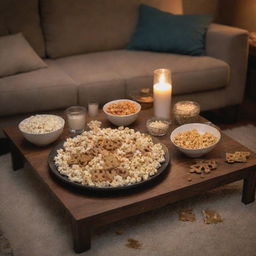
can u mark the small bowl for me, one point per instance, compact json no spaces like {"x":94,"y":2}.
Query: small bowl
{"x":43,"y":139}
{"x":123,"y":120}
{"x":201,"y":128}
{"x":157,"y":131}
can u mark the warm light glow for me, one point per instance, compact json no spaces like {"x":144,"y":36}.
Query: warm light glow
{"x":162,"y":78}
{"x":162,"y":86}
{"x":162,"y":93}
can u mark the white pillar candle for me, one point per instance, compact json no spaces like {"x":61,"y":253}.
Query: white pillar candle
{"x":162,"y":93}
{"x":93,"y":109}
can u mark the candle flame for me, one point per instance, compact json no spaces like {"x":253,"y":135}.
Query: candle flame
{"x":162,"y":78}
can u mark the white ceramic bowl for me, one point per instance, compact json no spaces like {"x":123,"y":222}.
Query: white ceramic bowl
{"x":43,"y":139}
{"x":201,"y":128}
{"x":124,"y":120}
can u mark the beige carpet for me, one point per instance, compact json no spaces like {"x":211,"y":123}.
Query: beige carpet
{"x":35,"y":225}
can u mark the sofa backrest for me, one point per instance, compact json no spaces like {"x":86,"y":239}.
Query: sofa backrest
{"x":22,"y":16}
{"x":81,"y":26}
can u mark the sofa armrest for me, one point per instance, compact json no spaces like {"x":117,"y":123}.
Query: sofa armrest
{"x":230,"y":45}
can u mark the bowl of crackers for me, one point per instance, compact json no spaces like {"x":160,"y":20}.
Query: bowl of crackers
{"x":122,"y":112}
{"x":195,"y":139}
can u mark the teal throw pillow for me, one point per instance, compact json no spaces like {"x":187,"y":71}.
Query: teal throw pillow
{"x":165,"y":32}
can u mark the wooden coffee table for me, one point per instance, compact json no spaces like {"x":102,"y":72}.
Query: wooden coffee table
{"x":88,"y":211}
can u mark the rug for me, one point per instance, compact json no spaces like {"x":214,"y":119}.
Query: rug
{"x":35,"y":225}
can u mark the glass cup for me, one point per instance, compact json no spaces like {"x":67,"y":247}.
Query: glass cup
{"x":76,"y":116}
{"x":93,"y":108}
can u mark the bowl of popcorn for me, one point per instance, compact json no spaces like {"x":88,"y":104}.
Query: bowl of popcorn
{"x":157,"y":126}
{"x":195,"y":139}
{"x":122,"y":112}
{"x":42,"y":130}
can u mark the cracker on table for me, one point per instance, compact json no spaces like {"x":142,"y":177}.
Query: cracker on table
{"x":199,"y":168}
{"x":210,"y":163}
{"x":237,"y":157}
{"x":203,"y":166}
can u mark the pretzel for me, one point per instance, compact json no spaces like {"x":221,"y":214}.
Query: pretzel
{"x":80,"y":159}
{"x":99,"y":176}
{"x":110,"y":160}
{"x":237,"y":157}
{"x":203,"y":166}
{"x":108,"y":144}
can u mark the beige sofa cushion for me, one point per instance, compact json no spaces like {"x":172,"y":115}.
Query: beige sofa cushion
{"x":96,"y":75}
{"x":22,"y":16}
{"x":80,"y":26}
{"x":189,"y":73}
{"x":135,"y":69}
{"x":17,"y":56}
{"x":44,"y":89}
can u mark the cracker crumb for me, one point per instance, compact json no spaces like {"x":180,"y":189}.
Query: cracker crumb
{"x":187,"y":215}
{"x":133,"y":244}
{"x":119,"y":232}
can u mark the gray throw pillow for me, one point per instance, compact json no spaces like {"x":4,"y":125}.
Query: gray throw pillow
{"x":17,"y":56}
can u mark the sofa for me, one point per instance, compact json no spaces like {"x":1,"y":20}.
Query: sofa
{"x":84,"y":45}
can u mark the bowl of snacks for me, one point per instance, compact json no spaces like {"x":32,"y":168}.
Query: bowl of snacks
{"x":157,"y":126}
{"x":195,"y":139}
{"x":42,"y":130}
{"x":122,"y":112}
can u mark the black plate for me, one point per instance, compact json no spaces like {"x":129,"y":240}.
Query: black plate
{"x":80,"y":187}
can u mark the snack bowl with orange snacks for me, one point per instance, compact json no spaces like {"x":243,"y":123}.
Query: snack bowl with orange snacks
{"x":122,"y":112}
{"x":195,"y":139}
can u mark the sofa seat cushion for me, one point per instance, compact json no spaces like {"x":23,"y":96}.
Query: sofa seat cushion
{"x":45,"y":89}
{"x":135,"y":69}
{"x":96,"y":74}
{"x":189,"y":73}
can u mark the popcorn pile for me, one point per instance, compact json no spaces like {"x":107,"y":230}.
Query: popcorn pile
{"x":39,"y":124}
{"x":109,"y":157}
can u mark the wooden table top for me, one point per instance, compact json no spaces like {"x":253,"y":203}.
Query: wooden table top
{"x":82,"y":206}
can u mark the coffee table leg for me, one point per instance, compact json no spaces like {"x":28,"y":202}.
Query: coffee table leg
{"x":81,"y":236}
{"x":17,"y":158}
{"x":249,"y":188}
